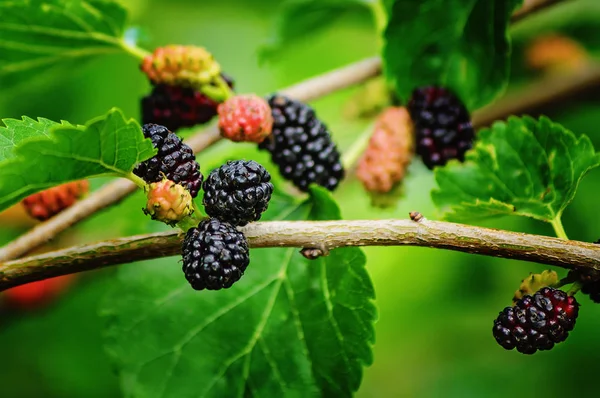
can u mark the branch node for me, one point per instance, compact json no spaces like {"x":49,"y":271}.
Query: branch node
{"x":312,"y":253}
{"x":416,"y":216}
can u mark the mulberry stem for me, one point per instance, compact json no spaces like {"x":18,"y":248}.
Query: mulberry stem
{"x":532,"y":6}
{"x":559,"y":230}
{"x":574,"y":288}
{"x":192,"y":220}
{"x":355,"y":151}
{"x":138,"y":181}
{"x":134,"y":50}
{"x":188,"y":222}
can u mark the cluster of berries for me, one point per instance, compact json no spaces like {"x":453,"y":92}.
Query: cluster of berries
{"x":173,"y":176}
{"x":299,"y":143}
{"x":215,"y":254}
{"x":435,"y":124}
{"x":189,"y":88}
{"x":188,"y":85}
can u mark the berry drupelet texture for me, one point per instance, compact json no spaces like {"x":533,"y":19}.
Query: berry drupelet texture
{"x":301,"y":146}
{"x":176,"y":107}
{"x":50,"y":202}
{"x":536,"y":322}
{"x":175,"y":160}
{"x":389,"y":153}
{"x":179,"y":65}
{"x":443,"y":128}
{"x":237,"y":192}
{"x":245,"y":118}
{"x":168,"y":202}
{"x":215,"y":255}
{"x":535,"y":282}
{"x":179,"y":106}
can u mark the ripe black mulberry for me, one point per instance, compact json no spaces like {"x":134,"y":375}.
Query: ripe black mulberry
{"x":238,"y":192}
{"x":301,"y":145}
{"x":215,"y":255}
{"x":443,"y":128}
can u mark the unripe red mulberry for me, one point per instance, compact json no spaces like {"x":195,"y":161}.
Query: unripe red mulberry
{"x":389,"y":153}
{"x":245,"y":118}
{"x":187,"y":66}
{"x":168,"y":202}
{"x":556,"y":53}
{"x":47,"y":203}
{"x":180,"y":66}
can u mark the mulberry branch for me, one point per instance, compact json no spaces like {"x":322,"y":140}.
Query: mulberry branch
{"x":319,"y":235}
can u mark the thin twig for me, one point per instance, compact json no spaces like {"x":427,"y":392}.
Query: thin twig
{"x":308,"y":90}
{"x":116,"y":191}
{"x":108,"y":195}
{"x":549,"y":90}
{"x":323,"y":235}
{"x":532,"y":6}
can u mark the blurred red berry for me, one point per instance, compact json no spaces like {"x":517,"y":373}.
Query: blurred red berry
{"x":47,"y":203}
{"x":38,"y":294}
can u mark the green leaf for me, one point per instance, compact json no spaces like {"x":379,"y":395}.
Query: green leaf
{"x":17,"y":131}
{"x":297,"y":18}
{"x":38,"y":34}
{"x":461,"y":44}
{"x":523,"y":167}
{"x":106,"y":145}
{"x":289,"y":327}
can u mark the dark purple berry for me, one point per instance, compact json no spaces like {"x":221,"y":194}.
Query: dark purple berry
{"x":443,"y":127}
{"x":536,"y":322}
{"x":174,"y":160}
{"x":237,"y":192}
{"x":176,"y":106}
{"x":215,"y":255}
{"x":301,"y":145}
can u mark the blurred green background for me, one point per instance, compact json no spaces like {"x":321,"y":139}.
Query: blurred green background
{"x":435,"y":307}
